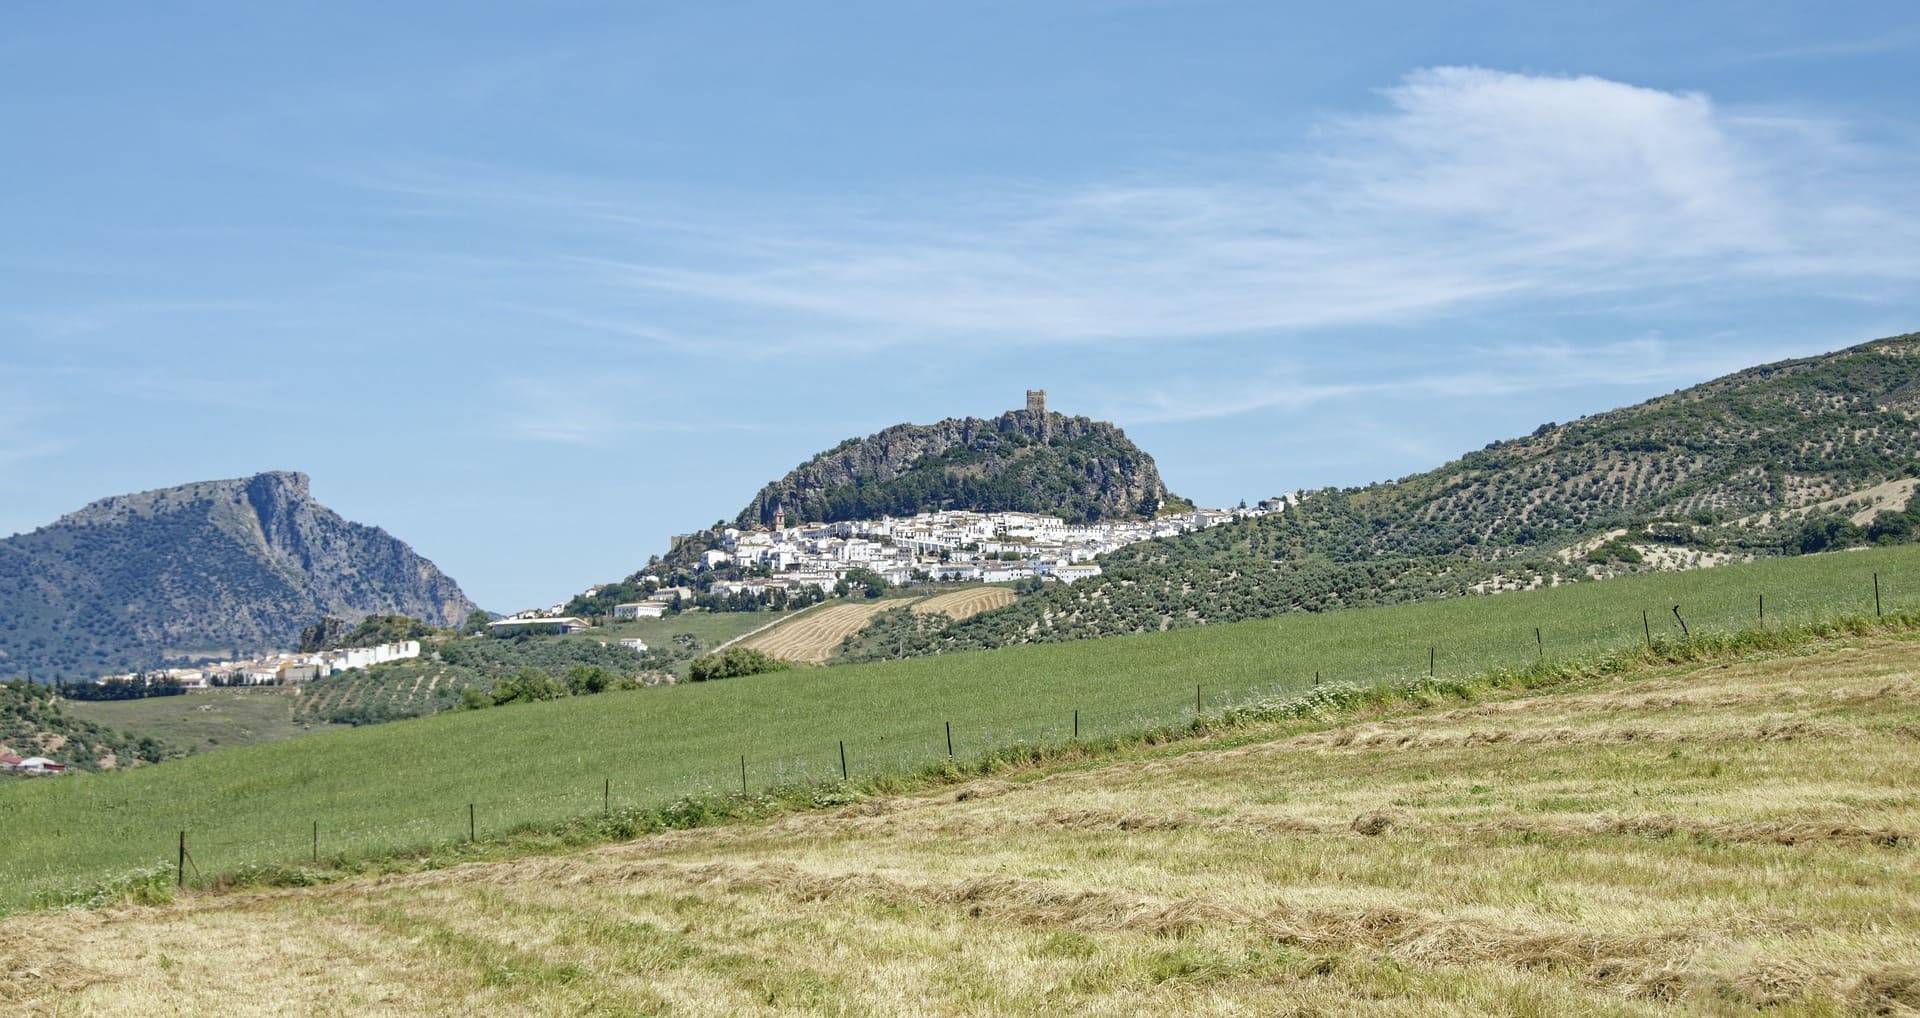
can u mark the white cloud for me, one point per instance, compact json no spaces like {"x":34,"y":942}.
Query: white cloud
{"x":1471,"y":188}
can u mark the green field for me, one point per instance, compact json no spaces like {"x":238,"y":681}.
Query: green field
{"x":382,"y":786}
{"x":709,"y":629}
{"x":1728,"y":836}
{"x":216,"y":719}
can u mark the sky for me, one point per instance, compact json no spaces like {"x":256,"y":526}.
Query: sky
{"x":536,"y":286}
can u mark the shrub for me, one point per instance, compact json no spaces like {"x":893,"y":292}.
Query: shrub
{"x":733,"y":662}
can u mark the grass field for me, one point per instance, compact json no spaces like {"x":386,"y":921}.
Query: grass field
{"x":815,"y":635}
{"x":215,"y":719}
{"x":708,"y":629}
{"x":965,"y":604}
{"x":1731,"y":838}
{"x":410,"y":782}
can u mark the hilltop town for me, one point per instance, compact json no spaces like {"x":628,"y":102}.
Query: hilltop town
{"x":788,"y":563}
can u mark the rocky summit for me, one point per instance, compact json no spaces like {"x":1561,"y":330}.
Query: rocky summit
{"x":1029,"y":460}
{"x":211,"y":568}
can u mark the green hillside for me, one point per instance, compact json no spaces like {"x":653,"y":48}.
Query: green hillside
{"x":34,"y":721}
{"x":1775,"y":460}
{"x":385,"y":786}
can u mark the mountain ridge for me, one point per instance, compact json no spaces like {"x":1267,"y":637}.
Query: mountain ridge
{"x":235,"y":565}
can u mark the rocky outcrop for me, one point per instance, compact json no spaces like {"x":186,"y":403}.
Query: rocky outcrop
{"x":212,"y":568}
{"x":1020,"y":461}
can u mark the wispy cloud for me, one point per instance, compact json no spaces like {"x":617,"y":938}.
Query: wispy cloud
{"x":1474,"y":372}
{"x":1466,"y":189}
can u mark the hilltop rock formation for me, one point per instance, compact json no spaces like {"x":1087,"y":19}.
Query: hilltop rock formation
{"x":1021,"y":461}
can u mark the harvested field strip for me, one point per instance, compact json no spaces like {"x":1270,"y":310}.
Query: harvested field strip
{"x":815,"y":635}
{"x":1733,"y":874}
{"x":965,"y":604}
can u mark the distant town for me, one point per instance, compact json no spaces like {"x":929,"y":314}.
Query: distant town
{"x":810,"y":559}
{"x":278,"y":669}
{"x":953,"y":546}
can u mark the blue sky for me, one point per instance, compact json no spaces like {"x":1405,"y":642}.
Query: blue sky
{"x":534,"y":286}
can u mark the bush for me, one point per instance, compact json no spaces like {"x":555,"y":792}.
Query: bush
{"x":733,"y":662}
{"x":528,"y":686}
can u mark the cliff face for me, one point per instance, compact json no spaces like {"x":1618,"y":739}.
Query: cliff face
{"x":1020,"y":461}
{"x":210,"y":568}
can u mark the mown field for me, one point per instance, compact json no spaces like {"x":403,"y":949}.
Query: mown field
{"x":1731,"y":838}
{"x":411,"y":782}
{"x":813,"y":636}
{"x":964,"y":604}
{"x":201,"y":721}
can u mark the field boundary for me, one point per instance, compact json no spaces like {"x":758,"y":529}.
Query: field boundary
{"x":1323,"y":707}
{"x":770,"y":625}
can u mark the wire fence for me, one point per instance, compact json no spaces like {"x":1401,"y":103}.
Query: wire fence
{"x":202,"y":850}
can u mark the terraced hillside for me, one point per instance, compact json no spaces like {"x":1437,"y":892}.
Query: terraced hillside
{"x":1732,"y":838}
{"x":1803,"y":455}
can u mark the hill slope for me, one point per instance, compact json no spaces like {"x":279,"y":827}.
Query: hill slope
{"x":217,"y":566}
{"x":385,"y":788}
{"x":1023,"y":460}
{"x":1720,"y":839}
{"x":1778,"y":459}
{"x":35,"y":722}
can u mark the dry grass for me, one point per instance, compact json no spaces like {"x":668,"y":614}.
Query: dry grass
{"x":965,"y":604}
{"x":1723,"y":840}
{"x":815,"y":635}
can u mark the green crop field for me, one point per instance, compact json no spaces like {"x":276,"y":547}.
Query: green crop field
{"x":411,"y":782}
{"x":220,"y":718}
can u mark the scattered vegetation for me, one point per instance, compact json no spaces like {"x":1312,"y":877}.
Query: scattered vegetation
{"x":471,"y":672}
{"x":33,"y":722}
{"x":332,"y":633}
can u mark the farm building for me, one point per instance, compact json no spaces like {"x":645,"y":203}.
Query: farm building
{"x":508,"y":627}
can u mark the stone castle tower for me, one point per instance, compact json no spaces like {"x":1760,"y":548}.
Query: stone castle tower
{"x":1037,"y":406}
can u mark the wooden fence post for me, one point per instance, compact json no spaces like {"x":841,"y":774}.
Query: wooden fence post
{"x":949,"y":740}
{"x":180,"y":870}
{"x":843,"y":759}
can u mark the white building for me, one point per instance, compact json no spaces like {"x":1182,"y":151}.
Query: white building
{"x":1068,"y":574}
